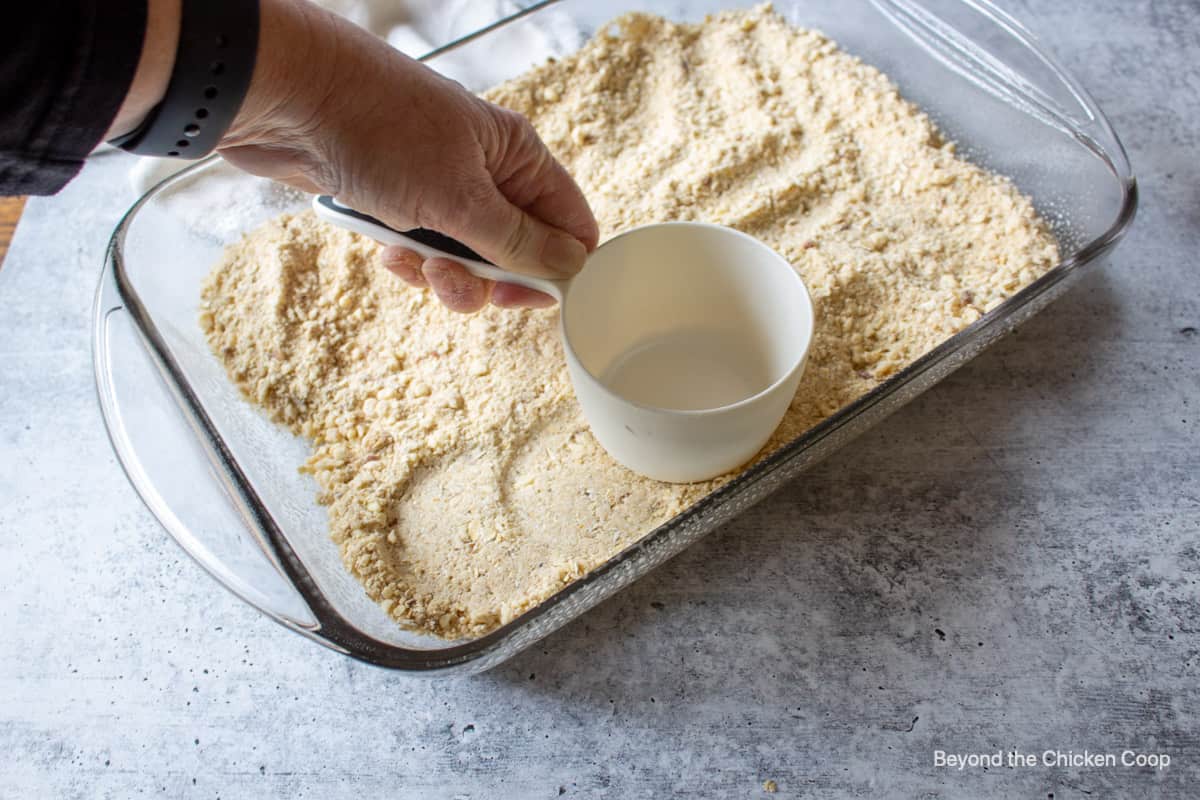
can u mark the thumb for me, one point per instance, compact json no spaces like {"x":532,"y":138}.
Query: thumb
{"x":514,"y":239}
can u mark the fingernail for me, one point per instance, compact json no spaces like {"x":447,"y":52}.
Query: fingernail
{"x":564,"y":254}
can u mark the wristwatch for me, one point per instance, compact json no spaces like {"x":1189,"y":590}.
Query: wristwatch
{"x":218,"y":45}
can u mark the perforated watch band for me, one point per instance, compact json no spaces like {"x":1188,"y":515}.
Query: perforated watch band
{"x":218,"y":45}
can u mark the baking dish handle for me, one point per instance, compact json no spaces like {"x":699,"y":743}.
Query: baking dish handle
{"x":151,"y":436}
{"x":182,"y":469}
{"x":1013,"y":67}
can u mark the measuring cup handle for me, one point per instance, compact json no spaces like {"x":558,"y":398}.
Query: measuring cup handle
{"x":429,"y":244}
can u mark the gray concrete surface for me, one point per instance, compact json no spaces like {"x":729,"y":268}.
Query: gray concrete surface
{"x":1009,"y":563}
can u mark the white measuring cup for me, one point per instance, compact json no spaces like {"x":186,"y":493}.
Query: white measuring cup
{"x":685,"y":341}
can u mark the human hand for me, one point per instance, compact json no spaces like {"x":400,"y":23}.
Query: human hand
{"x":335,"y":110}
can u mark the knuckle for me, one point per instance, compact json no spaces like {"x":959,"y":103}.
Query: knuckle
{"x":519,"y":238}
{"x":521,"y":124}
{"x":513,"y":122}
{"x":477,"y":193}
{"x":423,"y":215}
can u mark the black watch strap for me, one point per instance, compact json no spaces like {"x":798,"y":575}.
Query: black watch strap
{"x":218,"y":45}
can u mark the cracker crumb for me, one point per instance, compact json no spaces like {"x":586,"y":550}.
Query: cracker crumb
{"x":770,"y":787}
{"x":463,"y":484}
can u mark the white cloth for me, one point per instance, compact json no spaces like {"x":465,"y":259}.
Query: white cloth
{"x":414,"y":27}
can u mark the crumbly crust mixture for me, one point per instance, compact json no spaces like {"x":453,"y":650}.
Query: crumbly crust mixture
{"x":462,"y":482}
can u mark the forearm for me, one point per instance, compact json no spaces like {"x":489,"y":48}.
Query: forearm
{"x":154,"y":66}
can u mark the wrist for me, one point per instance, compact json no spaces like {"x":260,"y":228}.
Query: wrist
{"x":216,"y":46}
{"x":290,"y":83}
{"x":153,"y":73}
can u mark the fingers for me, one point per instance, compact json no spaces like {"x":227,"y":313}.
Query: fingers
{"x":535,"y":181}
{"x":509,"y":295}
{"x":508,"y":236}
{"x":404,"y":264}
{"x":560,"y":202}
{"x":526,"y":214}
{"x":456,"y":288}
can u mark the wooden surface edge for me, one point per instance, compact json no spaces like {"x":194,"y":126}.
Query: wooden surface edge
{"x":10,"y":212}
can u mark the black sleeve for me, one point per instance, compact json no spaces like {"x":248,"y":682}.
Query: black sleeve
{"x":65,"y":67}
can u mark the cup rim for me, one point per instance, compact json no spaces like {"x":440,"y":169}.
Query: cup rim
{"x":698,"y":412}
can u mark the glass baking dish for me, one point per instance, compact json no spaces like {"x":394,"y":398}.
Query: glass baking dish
{"x":223,"y":480}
